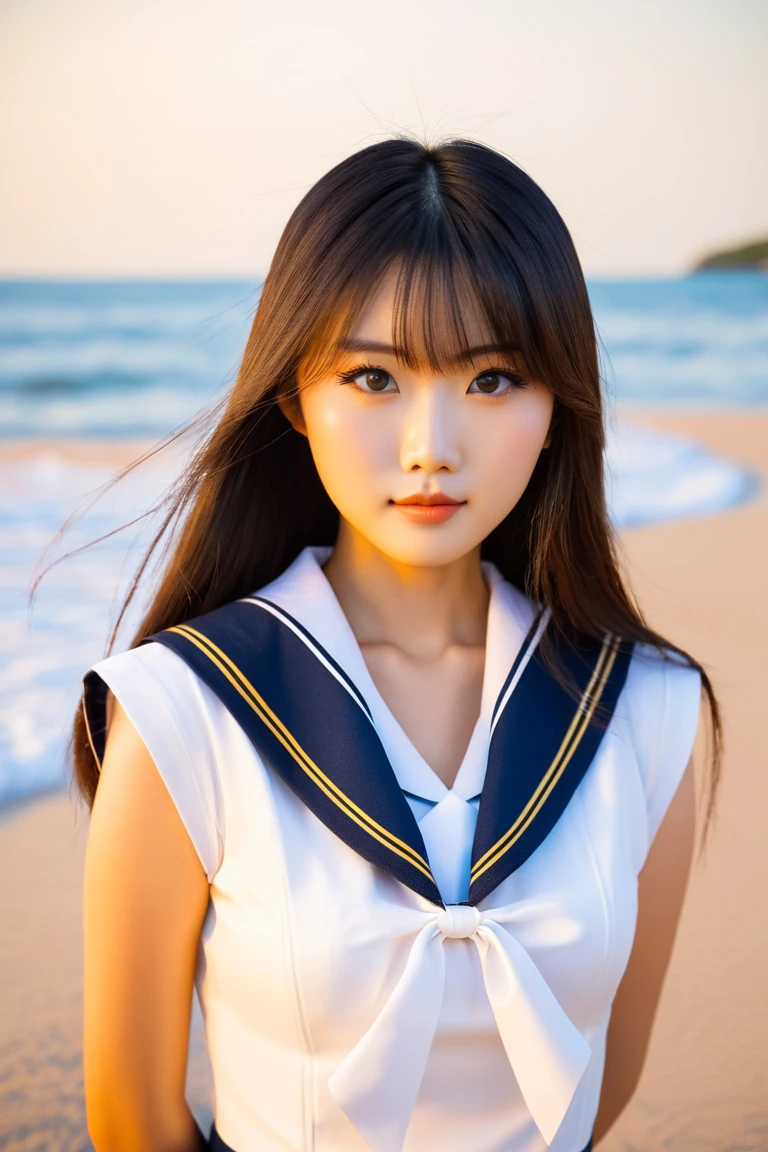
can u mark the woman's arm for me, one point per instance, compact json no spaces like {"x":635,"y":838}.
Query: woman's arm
{"x":662,"y":885}
{"x":145,"y":897}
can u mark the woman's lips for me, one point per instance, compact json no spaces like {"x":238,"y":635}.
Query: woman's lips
{"x":433,"y":509}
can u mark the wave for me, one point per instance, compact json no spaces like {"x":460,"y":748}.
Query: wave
{"x":696,"y":341}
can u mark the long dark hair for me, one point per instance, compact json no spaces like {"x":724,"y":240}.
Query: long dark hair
{"x":460,"y":223}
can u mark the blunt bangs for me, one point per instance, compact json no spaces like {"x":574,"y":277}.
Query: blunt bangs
{"x":481,"y":256}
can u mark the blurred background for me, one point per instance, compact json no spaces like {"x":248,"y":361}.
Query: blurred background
{"x":151,"y":154}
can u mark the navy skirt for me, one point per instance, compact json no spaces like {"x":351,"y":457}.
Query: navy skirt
{"x":216,"y":1144}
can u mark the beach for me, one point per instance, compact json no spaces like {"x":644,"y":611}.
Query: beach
{"x":701,"y":582}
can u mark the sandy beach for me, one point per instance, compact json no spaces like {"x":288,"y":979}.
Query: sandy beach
{"x":701,"y":582}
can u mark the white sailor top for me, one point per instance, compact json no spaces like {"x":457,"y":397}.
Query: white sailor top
{"x":387,"y":963}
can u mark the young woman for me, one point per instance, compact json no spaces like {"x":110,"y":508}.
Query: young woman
{"x":394,"y":772}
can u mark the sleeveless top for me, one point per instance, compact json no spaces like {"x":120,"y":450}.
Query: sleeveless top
{"x":343,"y":1009}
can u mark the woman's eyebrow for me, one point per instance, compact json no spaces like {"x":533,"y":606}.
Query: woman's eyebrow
{"x":351,"y":344}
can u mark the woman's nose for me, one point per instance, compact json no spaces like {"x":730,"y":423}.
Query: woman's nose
{"x":429,"y":433}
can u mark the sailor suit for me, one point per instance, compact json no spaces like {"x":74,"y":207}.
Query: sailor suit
{"x":387,"y":963}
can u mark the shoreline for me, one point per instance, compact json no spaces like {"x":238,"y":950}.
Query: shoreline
{"x":701,"y":581}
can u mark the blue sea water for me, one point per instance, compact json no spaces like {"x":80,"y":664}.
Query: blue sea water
{"x":111,"y":360}
{"x":139,"y":358}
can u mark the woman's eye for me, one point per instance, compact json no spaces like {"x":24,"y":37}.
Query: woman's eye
{"x":495,"y":383}
{"x":374,"y":380}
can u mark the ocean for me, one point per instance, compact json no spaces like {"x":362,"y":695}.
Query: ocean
{"x":113,"y":360}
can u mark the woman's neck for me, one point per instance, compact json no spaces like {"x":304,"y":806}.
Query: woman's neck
{"x":421,"y":610}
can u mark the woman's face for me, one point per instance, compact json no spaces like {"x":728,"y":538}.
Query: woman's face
{"x":422,"y":465}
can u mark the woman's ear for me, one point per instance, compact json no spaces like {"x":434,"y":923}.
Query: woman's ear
{"x":290,"y":406}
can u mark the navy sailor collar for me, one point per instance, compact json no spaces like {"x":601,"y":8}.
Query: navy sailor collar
{"x":307,"y":717}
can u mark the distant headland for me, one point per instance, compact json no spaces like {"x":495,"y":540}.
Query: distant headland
{"x":747,"y":257}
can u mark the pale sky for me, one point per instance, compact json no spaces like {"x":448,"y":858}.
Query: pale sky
{"x":174,"y":137}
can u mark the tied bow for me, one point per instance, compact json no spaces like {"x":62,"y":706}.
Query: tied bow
{"x":377,"y":1083}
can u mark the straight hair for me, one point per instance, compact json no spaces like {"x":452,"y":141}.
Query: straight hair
{"x":470,"y":235}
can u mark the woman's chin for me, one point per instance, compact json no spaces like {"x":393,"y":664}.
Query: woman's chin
{"x":425,"y":546}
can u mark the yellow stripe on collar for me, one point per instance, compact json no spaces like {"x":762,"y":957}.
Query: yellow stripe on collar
{"x":242,"y":685}
{"x":584,"y":712}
